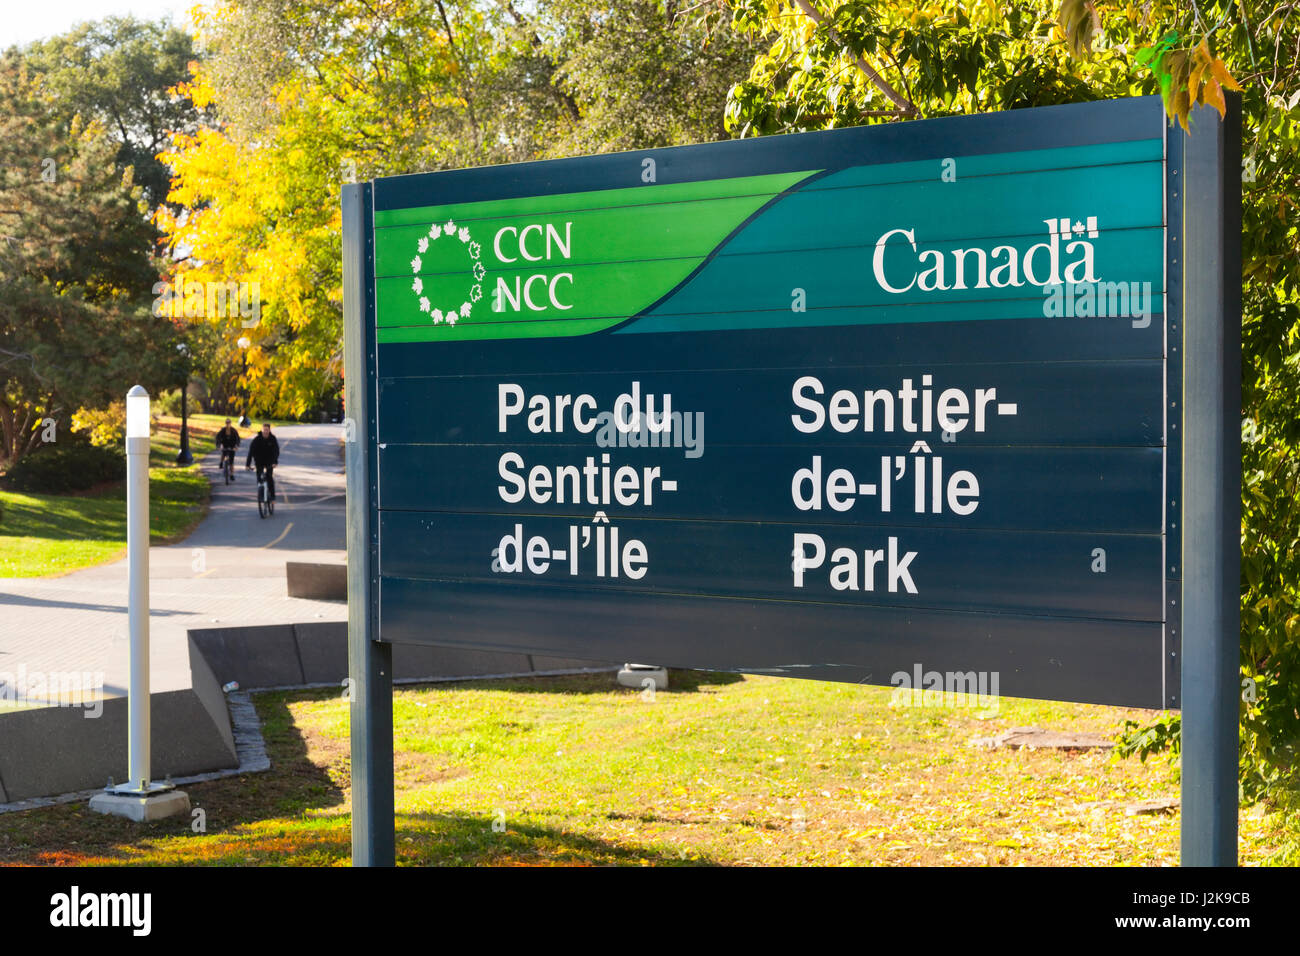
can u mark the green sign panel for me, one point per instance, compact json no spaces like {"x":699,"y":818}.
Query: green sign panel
{"x":865,"y":244}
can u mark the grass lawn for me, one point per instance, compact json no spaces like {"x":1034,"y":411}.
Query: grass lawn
{"x":211,"y":423}
{"x":719,"y":770}
{"x":53,"y":534}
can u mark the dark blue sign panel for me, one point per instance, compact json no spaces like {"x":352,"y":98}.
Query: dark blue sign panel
{"x":836,"y":405}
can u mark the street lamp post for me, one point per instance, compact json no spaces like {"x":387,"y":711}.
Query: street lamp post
{"x":139,"y":798}
{"x":243,"y":343}
{"x":183,"y":457}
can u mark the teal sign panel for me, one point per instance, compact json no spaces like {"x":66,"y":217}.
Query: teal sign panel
{"x":852,"y":405}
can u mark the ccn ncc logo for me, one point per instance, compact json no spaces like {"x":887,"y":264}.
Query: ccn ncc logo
{"x":452,"y":296}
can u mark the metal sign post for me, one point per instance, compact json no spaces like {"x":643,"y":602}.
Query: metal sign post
{"x":370,"y":668}
{"x":1211,"y":423}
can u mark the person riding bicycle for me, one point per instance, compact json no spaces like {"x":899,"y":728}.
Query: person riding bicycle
{"x":264,"y":449}
{"x":227,"y":440}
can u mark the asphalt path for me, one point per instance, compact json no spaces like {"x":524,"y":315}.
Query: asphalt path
{"x":229,"y":572}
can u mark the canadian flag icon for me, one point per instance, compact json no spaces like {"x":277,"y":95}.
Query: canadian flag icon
{"x":1064,"y":229}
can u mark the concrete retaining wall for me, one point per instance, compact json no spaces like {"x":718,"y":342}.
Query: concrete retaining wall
{"x":50,"y":750}
{"x":319,"y":582}
{"x":53,"y":750}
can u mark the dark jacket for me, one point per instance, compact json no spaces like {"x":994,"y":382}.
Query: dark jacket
{"x":265,"y":451}
{"x":228,"y":438}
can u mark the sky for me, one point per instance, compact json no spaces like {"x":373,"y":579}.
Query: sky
{"x":25,"y":20}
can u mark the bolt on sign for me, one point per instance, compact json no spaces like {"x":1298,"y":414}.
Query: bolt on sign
{"x":831,"y":405}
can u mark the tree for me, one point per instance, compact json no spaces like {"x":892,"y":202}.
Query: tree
{"x":74,"y":270}
{"x":121,"y":73}
{"x":631,"y":75}
{"x":835,"y":64}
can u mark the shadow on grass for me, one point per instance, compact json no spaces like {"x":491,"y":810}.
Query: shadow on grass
{"x":679,"y":682}
{"x":685,"y":682}
{"x":457,"y":839}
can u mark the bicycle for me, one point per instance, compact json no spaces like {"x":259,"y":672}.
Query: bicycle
{"x":265,"y":503}
{"x":228,"y":465}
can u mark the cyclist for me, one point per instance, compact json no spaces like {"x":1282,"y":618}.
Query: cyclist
{"x":264,"y":449}
{"x":227,"y":441}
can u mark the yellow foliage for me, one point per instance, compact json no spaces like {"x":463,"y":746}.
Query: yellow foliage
{"x":103,"y":427}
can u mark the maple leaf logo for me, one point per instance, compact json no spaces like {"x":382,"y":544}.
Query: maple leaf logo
{"x":444,"y":283}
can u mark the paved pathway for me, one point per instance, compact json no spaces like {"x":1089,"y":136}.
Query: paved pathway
{"x":229,"y":572}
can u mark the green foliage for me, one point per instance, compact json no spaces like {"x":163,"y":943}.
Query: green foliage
{"x":118,"y":72}
{"x":169,"y":403}
{"x":968,"y":57}
{"x":75,"y":466}
{"x":972,"y":57}
{"x":1163,"y":735}
{"x":75,"y":269}
{"x":631,"y":75}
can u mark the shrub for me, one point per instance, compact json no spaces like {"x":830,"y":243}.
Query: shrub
{"x":169,"y":402}
{"x":74,"y":466}
{"x":103,"y":427}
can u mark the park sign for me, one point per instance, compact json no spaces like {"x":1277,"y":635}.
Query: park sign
{"x":896,"y":400}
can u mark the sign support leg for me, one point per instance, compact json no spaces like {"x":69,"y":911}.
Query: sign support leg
{"x":373,"y":820}
{"x":1211,"y":486}
{"x":370,"y":670}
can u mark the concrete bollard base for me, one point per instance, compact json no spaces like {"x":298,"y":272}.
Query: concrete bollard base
{"x":155,"y":806}
{"x":635,"y":675}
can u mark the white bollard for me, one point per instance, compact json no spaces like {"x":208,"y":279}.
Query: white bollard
{"x":139,"y":798}
{"x":137,"y":557}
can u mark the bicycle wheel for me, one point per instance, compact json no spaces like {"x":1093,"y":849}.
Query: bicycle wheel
{"x":270,"y":506}
{"x":261,"y":501}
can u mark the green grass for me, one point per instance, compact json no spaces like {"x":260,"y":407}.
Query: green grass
{"x":719,"y":770}
{"x":54,"y":534}
{"x":215,"y":422}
